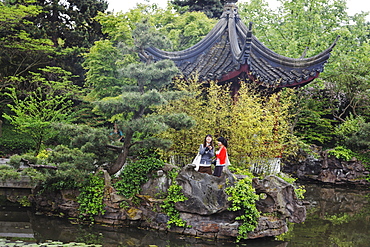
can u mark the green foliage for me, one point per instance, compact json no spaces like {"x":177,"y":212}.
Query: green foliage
{"x":343,"y":88}
{"x":133,"y":109}
{"x":16,"y":160}
{"x":339,"y":219}
{"x":136,"y":174}
{"x":354,"y":134}
{"x":256,"y":127}
{"x":80,"y":160}
{"x":296,"y":24}
{"x":20,"y":51}
{"x":90,"y":141}
{"x":298,"y":189}
{"x":12,"y":142}
{"x":69,"y":28}
{"x":48,"y":103}
{"x":243,"y":198}
{"x":91,"y":197}
{"x":85,"y":114}
{"x":8,"y":172}
{"x":174,"y":195}
{"x":343,"y":153}
{"x":212,"y":8}
{"x":73,"y":167}
{"x":349,"y":76}
{"x":351,"y":125}
{"x":24,"y":201}
{"x":35,"y":175}
{"x":314,"y":122}
{"x":185,"y":30}
{"x":66,"y":177}
{"x":103,"y":69}
{"x":71,"y":24}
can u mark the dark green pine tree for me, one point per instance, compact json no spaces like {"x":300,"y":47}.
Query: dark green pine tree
{"x":134,"y":107}
{"x":212,"y":8}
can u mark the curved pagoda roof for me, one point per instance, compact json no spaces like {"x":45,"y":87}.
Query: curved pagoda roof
{"x":231,"y":49}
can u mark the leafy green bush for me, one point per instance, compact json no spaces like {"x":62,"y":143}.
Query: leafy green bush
{"x":174,"y":195}
{"x":354,"y":134}
{"x":342,"y":153}
{"x":13,"y":142}
{"x":315,"y":122}
{"x":91,"y":197}
{"x":15,"y":160}
{"x":7,"y":172}
{"x":65,"y":155}
{"x":72,"y":170}
{"x":35,"y":175}
{"x":136,"y":174}
{"x":66,"y":177}
{"x":243,"y":198}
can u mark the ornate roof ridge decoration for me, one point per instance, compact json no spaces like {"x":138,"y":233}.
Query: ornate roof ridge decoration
{"x":231,"y":49}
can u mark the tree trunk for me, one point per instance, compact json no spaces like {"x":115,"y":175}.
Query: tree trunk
{"x":114,"y":168}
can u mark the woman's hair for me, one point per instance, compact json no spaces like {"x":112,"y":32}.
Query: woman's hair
{"x":205,"y":140}
{"x":222,"y":140}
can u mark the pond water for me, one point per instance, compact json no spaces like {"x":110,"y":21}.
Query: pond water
{"x":335,"y":217}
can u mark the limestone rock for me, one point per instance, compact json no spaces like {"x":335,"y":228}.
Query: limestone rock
{"x":206,"y":193}
{"x":279,"y":197}
{"x":206,"y":209}
{"x":326,"y":169}
{"x":159,"y":184}
{"x":134,"y":213}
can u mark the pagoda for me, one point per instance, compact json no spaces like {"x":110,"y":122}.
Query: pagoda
{"x":231,"y":53}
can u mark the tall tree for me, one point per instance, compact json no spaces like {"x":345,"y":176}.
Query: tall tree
{"x":70,"y":25}
{"x":305,"y":28}
{"x":19,"y":52}
{"x":133,"y":108}
{"x":67,"y":23}
{"x":48,"y":103}
{"x":104,"y":58}
{"x":212,"y":8}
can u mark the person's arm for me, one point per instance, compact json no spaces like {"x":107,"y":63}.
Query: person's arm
{"x":222,"y":156}
{"x":202,"y":149}
{"x":212,"y":152}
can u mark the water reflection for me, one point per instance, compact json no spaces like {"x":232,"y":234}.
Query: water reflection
{"x":41,"y":228}
{"x":57,"y":229}
{"x":336,"y":217}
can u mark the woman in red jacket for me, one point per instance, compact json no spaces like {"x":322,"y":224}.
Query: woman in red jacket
{"x":221,"y":156}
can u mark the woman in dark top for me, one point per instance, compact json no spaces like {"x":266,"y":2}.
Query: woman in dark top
{"x":206,"y":151}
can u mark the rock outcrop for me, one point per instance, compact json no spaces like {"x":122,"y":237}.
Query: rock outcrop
{"x":206,"y":209}
{"x":324,"y":168}
{"x":279,"y":198}
{"x":206,"y":194}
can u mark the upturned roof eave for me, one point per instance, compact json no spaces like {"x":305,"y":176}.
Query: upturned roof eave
{"x":247,"y":54}
{"x":291,"y":62}
{"x":193,"y":51}
{"x":245,"y":69}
